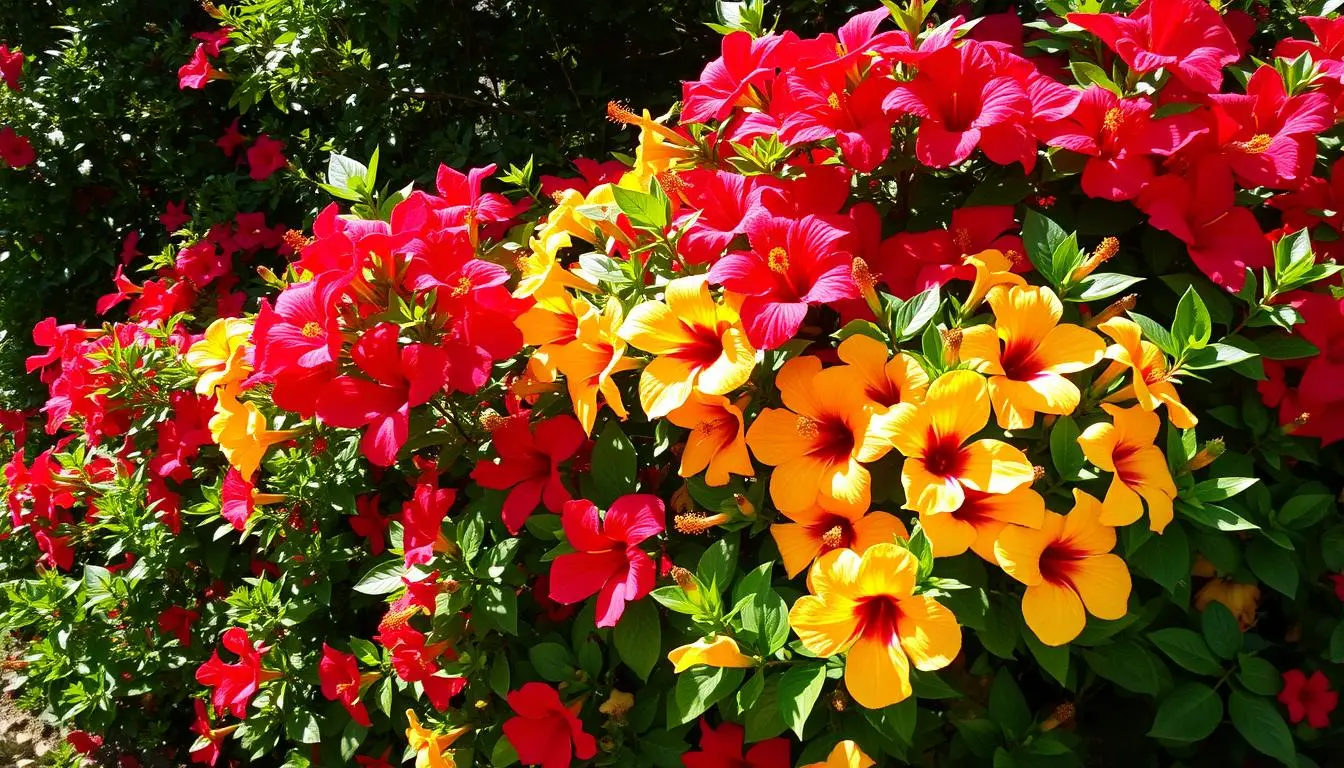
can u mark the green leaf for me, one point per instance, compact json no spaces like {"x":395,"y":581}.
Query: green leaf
{"x":1164,"y":559}
{"x":1127,"y":665}
{"x":342,"y":171}
{"x":1273,"y":566}
{"x":553,"y":661}
{"x":1332,"y":548}
{"x":499,"y":675}
{"x":351,"y":737}
{"x":1065,"y":452}
{"x":639,"y":637}
{"x":645,"y":210}
{"x":382,"y":578}
{"x":503,"y":754}
{"x":1216,"y":356}
{"x":1192,"y":327}
{"x":718,"y":563}
{"x":1042,"y":238}
{"x":1087,"y":73}
{"x":764,"y":721}
{"x":1008,"y":706}
{"x":929,"y":685}
{"x":698,"y":689}
{"x":302,"y":726}
{"x":896,"y":721}
{"x":1154,"y":332}
{"x":920,"y":546}
{"x":1222,"y":488}
{"x":613,"y":465}
{"x":1335,"y":652}
{"x":1189,"y":713}
{"x":498,"y":607}
{"x":1258,"y":675}
{"x":1215,"y":517}
{"x":1259,"y":722}
{"x":799,"y":688}
{"x":1283,"y":346}
{"x":1187,"y":649}
{"x":1054,"y":659}
{"x":913,"y":315}
{"x":1221,"y":631}
{"x":1102,"y":285}
{"x":766,"y":615}
{"x":1305,"y":510}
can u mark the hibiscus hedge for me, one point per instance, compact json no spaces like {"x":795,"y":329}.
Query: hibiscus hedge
{"x":947,"y":388}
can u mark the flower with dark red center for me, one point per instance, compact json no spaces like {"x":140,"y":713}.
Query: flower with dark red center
{"x":1308,"y":698}
{"x":370,"y":523}
{"x":232,"y":140}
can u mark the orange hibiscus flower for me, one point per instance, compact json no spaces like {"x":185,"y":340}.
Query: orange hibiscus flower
{"x":1126,"y":448}
{"x":814,"y":532}
{"x":976,"y":524}
{"x":717,"y":444}
{"x":1152,"y":384}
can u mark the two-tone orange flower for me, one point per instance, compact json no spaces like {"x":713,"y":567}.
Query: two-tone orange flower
{"x":717,"y":443}
{"x":699,"y":346}
{"x":886,"y":379}
{"x":977,"y":523}
{"x":431,"y":747}
{"x":942,"y":462}
{"x":814,"y":532}
{"x":660,"y":147}
{"x":1152,"y":384}
{"x":541,"y":268}
{"x":1125,"y":447}
{"x":820,"y":440}
{"x":548,"y":325}
{"x":1026,"y":373}
{"x":588,"y":363}
{"x":865,"y":606}
{"x":240,"y":430}
{"x":846,"y":754}
{"x":220,"y":356}
{"x":992,"y":268}
{"x":717,"y":651}
{"x":1068,"y":570}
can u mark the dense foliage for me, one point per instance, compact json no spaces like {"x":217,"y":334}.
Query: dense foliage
{"x":945,"y":388}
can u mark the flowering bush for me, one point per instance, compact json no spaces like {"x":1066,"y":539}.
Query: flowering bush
{"x":932,"y":390}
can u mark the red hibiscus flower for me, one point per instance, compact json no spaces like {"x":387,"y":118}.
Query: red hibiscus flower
{"x":1186,"y":37}
{"x":370,"y":523}
{"x":339,"y":675}
{"x":15,"y":150}
{"x":422,"y":520}
{"x":176,"y":620}
{"x":210,"y":741}
{"x":910,"y":262}
{"x":174,"y":216}
{"x":815,"y":109}
{"x":591,"y":174}
{"x":747,"y":64}
{"x":232,"y":139}
{"x":792,"y":265}
{"x":414,"y":662}
{"x":1200,"y":208}
{"x":56,"y":550}
{"x":529,"y":464}
{"x":965,"y":102}
{"x":265,"y":157}
{"x":298,"y":341}
{"x":236,"y":683}
{"x":11,"y":67}
{"x":84,"y":743}
{"x":213,"y":42}
{"x":1268,"y":137}
{"x":1308,"y":698}
{"x":722,"y":748}
{"x":198,"y":71}
{"x":399,"y":379}
{"x":720,"y":202}
{"x":545,"y":732}
{"x":238,"y":499}
{"x":608,"y":562}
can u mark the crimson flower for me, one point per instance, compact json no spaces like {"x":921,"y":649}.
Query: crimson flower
{"x":722,"y":748}
{"x":1186,"y":37}
{"x":965,"y":101}
{"x":84,"y":743}
{"x":339,"y":675}
{"x":207,"y":748}
{"x":910,"y":262}
{"x":529,"y":465}
{"x":720,"y":202}
{"x":236,"y":683}
{"x":422,"y":519}
{"x":213,"y":42}
{"x":608,"y":562}
{"x":298,"y":340}
{"x":591,"y":174}
{"x":11,"y":67}
{"x":792,"y":264}
{"x":176,"y":620}
{"x":1308,"y":698}
{"x":545,"y":732}
{"x":1337,"y":580}
{"x":174,"y":216}
{"x":15,"y":150}
{"x":1267,"y":136}
{"x":56,"y":550}
{"x":265,"y":157}
{"x":541,"y":594}
{"x":232,"y":140}
{"x":197,"y":71}
{"x":399,"y":379}
{"x":747,"y":63}
{"x":414,"y":662}
{"x":370,"y":523}
{"x":822,"y":108}
{"x":371,"y":761}
{"x":238,"y":499}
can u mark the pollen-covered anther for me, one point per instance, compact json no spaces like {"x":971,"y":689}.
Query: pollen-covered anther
{"x":683,"y":578}
{"x":620,"y":113}
{"x":1256,"y":145}
{"x":833,"y":101}
{"x":807,"y":427}
{"x":312,"y":329}
{"x":490,"y":420}
{"x":295,"y":240}
{"x":1037,"y":473}
{"x":462,"y":288}
{"x":695,"y":523}
{"x":778,"y":260}
{"x":1119,"y":307}
{"x":1111,"y":122}
{"x":1297,"y":423}
{"x":832,"y":538}
{"x":952,"y":341}
{"x":861,"y":274}
{"x":671,"y":183}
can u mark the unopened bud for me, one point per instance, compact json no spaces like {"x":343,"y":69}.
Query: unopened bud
{"x":1117,"y":309}
{"x":952,"y":343}
{"x":683,"y":578}
{"x":1105,"y":251}
{"x":744,"y":505}
{"x":1206,"y":456}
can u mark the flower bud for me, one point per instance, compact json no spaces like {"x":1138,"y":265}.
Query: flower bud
{"x":1116,"y":309}
{"x":1206,"y":456}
